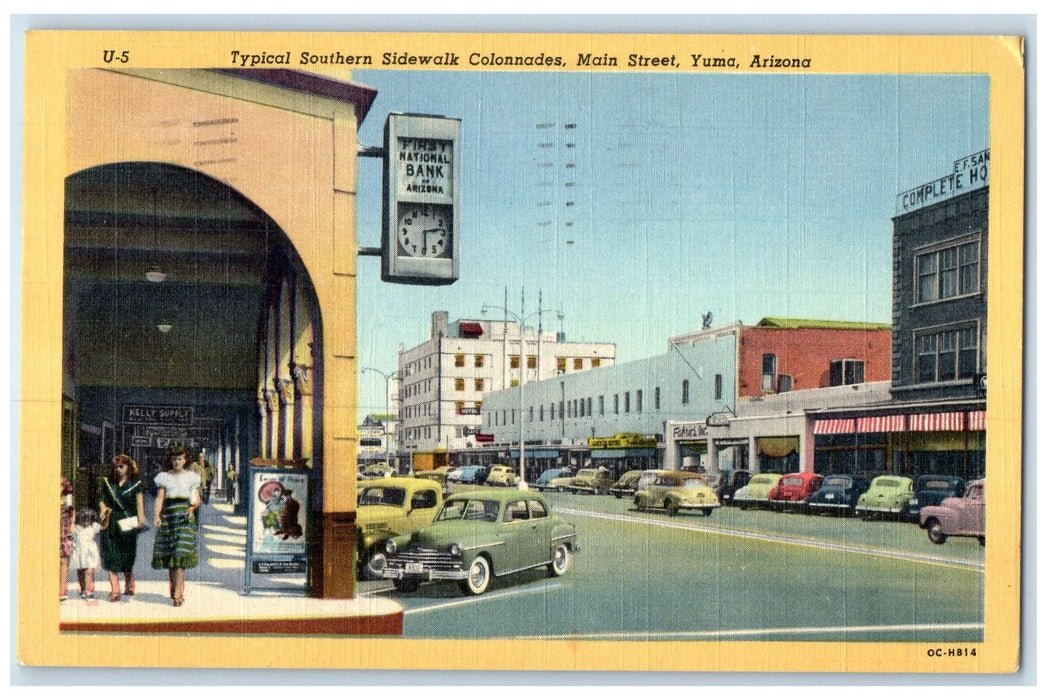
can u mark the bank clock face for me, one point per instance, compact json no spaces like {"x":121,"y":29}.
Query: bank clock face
{"x":424,"y":230}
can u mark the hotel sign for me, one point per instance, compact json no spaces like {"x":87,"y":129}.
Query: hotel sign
{"x":968,"y":173}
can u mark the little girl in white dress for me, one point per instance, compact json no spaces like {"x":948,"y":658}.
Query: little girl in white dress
{"x":86,"y":558}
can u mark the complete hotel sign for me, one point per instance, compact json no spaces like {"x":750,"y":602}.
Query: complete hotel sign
{"x":968,"y":173}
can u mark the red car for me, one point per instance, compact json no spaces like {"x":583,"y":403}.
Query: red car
{"x":794,"y":490}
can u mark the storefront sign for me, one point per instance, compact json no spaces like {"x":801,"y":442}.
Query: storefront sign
{"x":688,"y":431}
{"x":968,"y":173}
{"x":157,"y":415}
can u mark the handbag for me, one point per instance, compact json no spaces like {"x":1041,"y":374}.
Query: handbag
{"x":128,"y":524}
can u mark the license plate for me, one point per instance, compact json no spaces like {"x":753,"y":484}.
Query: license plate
{"x":414,"y":567}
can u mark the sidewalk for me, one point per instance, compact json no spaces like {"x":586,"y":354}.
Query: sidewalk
{"x":214,"y":595}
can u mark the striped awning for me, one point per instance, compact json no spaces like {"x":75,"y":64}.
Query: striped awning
{"x":881,"y":424}
{"x":834,"y":426}
{"x":936,"y":422}
{"x":976,"y":420}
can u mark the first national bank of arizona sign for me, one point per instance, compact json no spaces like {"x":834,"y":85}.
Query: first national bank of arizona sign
{"x":968,"y":173}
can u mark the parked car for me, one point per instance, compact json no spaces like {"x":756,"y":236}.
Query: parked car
{"x":597,"y":481}
{"x":957,"y":517}
{"x":560,"y":483}
{"x":389,"y":507}
{"x":379,"y":470}
{"x":438,"y":475}
{"x":502,"y":475}
{"x":626,"y":485}
{"x":648,"y":477}
{"x":480,"y":535}
{"x":542,"y":483}
{"x":793,"y":491}
{"x":839,"y":494}
{"x":471,"y":474}
{"x":675,"y":491}
{"x":931,"y":490}
{"x":757,"y":492}
{"x":887,"y":495}
{"x":729,"y":484}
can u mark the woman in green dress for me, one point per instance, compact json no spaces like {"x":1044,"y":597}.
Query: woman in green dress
{"x":121,"y":498}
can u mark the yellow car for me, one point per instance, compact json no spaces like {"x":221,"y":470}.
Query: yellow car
{"x":502,"y":475}
{"x":675,"y":491}
{"x":389,"y":507}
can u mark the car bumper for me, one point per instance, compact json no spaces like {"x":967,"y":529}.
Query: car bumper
{"x":878,"y":509}
{"x":696,"y":505}
{"x":426,"y":573}
{"x":830,"y":505}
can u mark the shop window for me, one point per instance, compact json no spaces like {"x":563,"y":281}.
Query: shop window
{"x":845,"y":372}
{"x":459,"y":384}
{"x":577,"y":363}
{"x":514,"y":362}
{"x":948,"y":272}
{"x":459,"y":360}
{"x":769,"y":372}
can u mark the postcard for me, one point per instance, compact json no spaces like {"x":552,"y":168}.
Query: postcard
{"x":603,"y":352}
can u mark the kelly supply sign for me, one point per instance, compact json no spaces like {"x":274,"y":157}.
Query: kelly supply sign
{"x":421,"y":191}
{"x":968,"y":173}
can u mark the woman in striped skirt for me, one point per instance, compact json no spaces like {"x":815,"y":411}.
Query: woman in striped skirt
{"x":177,"y":499}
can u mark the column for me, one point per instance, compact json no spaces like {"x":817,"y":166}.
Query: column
{"x":303,"y":412}
{"x":285,"y":427}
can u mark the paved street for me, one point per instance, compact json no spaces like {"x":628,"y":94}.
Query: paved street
{"x":742,"y":575}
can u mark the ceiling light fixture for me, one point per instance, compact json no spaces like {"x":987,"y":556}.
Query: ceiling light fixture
{"x":154,"y":273}
{"x":164,"y":327}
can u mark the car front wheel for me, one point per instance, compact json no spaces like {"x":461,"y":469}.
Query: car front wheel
{"x":640,"y":505}
{"x":479,"y":577}
{"x":934,"y":531}
{"x":561,"y":560}
{"x":670,"y":507}
{"x":707,"y":512}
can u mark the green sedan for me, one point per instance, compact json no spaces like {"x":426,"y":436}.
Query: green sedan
{"x":480,"y":535}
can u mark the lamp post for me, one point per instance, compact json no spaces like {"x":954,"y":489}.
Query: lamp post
{"x":385,"y":422}
{"x":521,"y":319}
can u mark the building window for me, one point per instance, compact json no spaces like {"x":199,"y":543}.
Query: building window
{"x":459,"y":384}
{"x":658,"y":398}
{"x":459,"y":360}
{"x":639,"y":401}
{"x":561,"y":364}
{"x":685,"y":397}
{"x":589,"y":406}
{"x":514,"y":362}
{"x":616,"y":404}
{"x":561,"y":410}
{"x":541,"y":412}
{"x":626,"y":397}
{"x":600,"y":404}
{"x":785,"y":382}
{"x":459,"y":406}
{"x":530,"y":414}
{"x":478,"y":384}
{"x":532,"y":362}
{"x":718,"y":387}
{"x":478,"y":361}
{"x":514,"y":382}
{"x":577,"y":363}
{"x":946,"y":355}
{"x":595,"y":362}
{"x":948,"y":272}
{"x":769,"y":372}
{"x":845,"y":372}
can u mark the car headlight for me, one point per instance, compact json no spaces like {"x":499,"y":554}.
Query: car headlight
{"x":390,"y":547}
{"x":455,"y":549}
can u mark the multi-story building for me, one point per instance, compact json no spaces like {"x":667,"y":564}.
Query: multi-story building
{"x":702,"y":373}
{"x":444,"y":381}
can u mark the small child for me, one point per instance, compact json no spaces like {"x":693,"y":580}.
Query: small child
{"x":86,"y":557}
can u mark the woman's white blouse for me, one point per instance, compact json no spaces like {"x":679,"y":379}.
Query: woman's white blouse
{"x":178,"y":485}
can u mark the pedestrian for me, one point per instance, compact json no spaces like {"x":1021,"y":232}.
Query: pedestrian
{"x":123,"y":513}
{"x":177,"y":500}
{"x":85,"y":556}
{"x":205,"y":471}
{"x":230,"y":483}
{"x":65,"y":547}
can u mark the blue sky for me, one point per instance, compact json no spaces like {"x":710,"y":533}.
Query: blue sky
{"x":747,"y":196}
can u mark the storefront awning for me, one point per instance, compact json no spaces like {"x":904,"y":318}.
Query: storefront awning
{"x":470,"y":329}
{"x":936,"y":422}
{"x":881,"y":424}
{"x":976,"y":420}
{"x":834,"y":426}
{"x":778,"y":446}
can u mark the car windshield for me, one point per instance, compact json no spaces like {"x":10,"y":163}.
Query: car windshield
{"x":380,"y":495}
{"x":693,"y":483}
{"x":887,"y":483}
{"x":939,"y":484}
{"x":469,"y":509}
{"x":838,"y":481}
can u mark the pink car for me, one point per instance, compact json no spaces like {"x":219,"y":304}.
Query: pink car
{"x":957,"y":517}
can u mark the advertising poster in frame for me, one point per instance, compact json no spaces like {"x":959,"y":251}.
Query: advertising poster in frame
{"x":736,"y":317}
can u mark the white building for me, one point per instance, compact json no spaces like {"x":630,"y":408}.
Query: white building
{"x":444,"y":380}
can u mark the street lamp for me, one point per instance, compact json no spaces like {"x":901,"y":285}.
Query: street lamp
{"x":521,"y":319}
{"x":385,"y":422}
